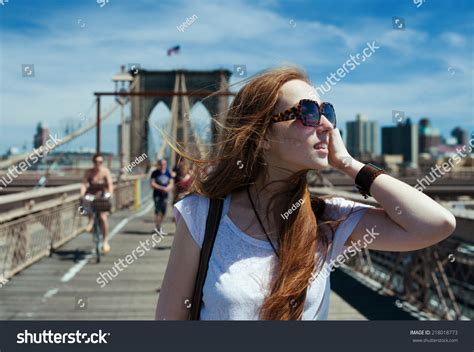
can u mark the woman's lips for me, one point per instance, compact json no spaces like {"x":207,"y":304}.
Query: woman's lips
{"x":321,"y":145}
{"x":321,"y":148}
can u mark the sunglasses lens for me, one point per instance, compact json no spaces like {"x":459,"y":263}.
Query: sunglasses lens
{"x":329,"y":113}
{"x":309,"y":113}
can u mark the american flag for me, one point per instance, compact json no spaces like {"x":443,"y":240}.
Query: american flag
{"x":173,"y":50}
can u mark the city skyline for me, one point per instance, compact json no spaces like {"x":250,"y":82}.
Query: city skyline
{"x":364,"y":138}
{"x":110,"y":136}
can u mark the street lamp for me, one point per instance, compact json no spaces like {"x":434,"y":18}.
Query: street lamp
{"x":122,"y":84}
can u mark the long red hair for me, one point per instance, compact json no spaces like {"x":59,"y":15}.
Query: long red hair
{"x":235,"y":161}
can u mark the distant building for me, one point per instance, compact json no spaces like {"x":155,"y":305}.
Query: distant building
{"x":389,"y":162}
{"x":449,"y":141}
{"x":11,"y":151}
{"x":41,"y":136}
{"x":429,"y":137}
{"x":460,"y":135}
{"x":401,"y":139}
{"x":362,"y":137}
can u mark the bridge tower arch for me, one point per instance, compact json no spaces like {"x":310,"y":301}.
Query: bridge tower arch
{"x":179,"y":90}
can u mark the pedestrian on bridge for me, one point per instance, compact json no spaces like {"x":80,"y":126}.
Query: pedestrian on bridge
{"x":97,"y":182}
{"x":182,"y":176}
{"x":162,"y":183}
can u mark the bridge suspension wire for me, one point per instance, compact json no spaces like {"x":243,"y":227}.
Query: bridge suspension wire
{"x":190,"y":137}
{"x":188,"y":131}
{"x":173,"y":122}
{"x":66,"y":139}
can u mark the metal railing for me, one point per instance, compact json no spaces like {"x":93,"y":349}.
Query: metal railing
{"x":40,"y":221}
{"x":145,"y":190}
{"x":438,"y":279}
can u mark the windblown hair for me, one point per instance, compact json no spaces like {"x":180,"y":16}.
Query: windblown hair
{"x":234,"y":163}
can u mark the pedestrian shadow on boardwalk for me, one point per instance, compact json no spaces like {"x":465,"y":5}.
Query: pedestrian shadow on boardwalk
{"x":368,"y":302}
{"x":163,"y":248}
{"x":138,"y":232}
{"x":145,"y":232}
{"x":71,"y":255}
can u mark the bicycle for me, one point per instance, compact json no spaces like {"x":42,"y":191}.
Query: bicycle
{"x":93,"y":202}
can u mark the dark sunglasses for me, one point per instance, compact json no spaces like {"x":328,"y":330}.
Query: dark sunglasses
{"x":309,"y":112}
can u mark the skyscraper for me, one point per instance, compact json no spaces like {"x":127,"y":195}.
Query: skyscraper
{"x":401,"y":139}
{"x":460,"y":135}
{"x":41,"y":136}
{"x":362,"y":137}
{"x":429,"y":137}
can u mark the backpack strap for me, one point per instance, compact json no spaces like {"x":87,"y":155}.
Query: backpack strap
{"x":212,"y":225}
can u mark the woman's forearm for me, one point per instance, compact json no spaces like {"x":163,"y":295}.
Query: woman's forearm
{"x":406,"y":206}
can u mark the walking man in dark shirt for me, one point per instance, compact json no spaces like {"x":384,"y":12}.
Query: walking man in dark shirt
{"x":162,"y":183}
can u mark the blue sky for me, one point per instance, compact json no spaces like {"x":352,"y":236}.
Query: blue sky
{"x":76,"y":47}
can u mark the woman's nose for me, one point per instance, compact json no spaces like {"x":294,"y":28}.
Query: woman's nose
{"x":325,"y":124}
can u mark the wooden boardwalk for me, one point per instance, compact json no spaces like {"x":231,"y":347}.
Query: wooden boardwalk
{"x":64,"y":286}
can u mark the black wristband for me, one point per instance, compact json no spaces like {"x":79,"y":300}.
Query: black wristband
{"x":365,"y":177}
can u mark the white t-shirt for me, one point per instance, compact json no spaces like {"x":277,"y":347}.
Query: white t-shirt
{"x":239,"y":270}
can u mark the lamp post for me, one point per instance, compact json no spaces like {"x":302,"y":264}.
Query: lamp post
{"x":122,"y":84}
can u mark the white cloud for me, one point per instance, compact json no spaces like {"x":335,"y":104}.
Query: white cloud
{"x":453,"y":39}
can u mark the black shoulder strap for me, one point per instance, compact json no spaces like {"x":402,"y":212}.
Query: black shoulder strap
{"x":212,"y":225}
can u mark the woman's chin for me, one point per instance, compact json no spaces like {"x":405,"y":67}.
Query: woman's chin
{"x":320,"y":163}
